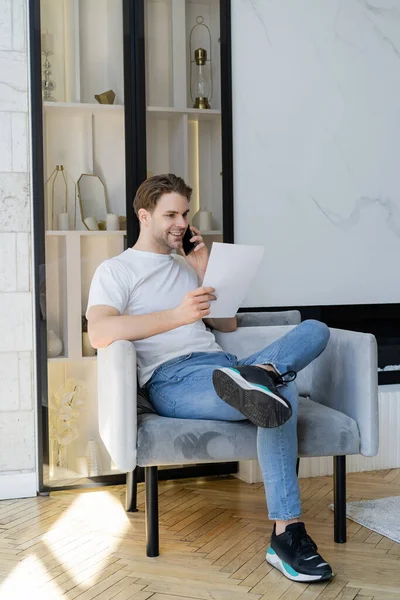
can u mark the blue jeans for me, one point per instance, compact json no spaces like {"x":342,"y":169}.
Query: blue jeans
{"x":183,"y":388}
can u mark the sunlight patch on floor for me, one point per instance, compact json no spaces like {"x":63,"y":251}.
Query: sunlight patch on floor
{"x":92,"y":526}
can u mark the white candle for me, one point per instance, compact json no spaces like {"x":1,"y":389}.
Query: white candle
{"x":205,"y":220}
{"x":112,"y":222}
{"x":63,"y":222}
{"x":47,"y":42}
{"x":91,"y":223}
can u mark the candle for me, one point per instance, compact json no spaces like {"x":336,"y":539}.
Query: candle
{"x":112,"y":222}
{"x":47,"y":42}
{"x":205,"y":220}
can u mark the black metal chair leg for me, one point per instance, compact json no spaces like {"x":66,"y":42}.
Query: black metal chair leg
{"x":131,"y":491}
{"x":297,"y":467}
{"x":339,"y":484}
{"x":152,"y":541}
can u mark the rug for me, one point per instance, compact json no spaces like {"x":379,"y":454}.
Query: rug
{"x":381,"y":516}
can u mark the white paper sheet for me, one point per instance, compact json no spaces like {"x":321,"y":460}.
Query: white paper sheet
{"x":231,"y":270}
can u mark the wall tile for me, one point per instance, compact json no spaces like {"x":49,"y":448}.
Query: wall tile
{"x":8,"y":262}
{"x":19,"y":24}
{"x":17,"y":420}
{"x":13,"y":81}
{"x":15,"y":210}
{"x":9,"y":388}
{"x":19,"y":142}
{"x":16,"y":322}
{"x":5,"y":25}
{"x":17,"y":441}
{"x":5,"y":142}
{"x":25,"y":373}
{"x":23,"y":262}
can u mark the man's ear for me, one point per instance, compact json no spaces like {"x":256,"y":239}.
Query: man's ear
{"x":143,"y":216}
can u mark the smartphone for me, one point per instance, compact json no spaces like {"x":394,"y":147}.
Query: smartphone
{"x":187,"y":245}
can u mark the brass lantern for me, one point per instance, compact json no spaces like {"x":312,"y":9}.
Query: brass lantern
{"x":201,"y":87}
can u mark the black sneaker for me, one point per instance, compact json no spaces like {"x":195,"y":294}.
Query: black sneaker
{"x":295,"y":555}
{"x":253,"y":391}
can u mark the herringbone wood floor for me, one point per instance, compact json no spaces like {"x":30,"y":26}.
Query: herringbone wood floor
{"x":214,"y":534}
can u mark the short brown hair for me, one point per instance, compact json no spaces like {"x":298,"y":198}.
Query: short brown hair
{"x":151,"y":190}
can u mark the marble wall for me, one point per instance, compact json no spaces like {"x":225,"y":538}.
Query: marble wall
{"x":17,"y":416}
{"x":316,"y":115}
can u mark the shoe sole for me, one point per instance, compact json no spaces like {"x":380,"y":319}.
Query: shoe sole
{"x":259,"y":405}
{"x":288,"y":571}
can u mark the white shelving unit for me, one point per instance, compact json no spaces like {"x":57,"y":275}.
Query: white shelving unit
{"x":88,"y":137}
{"x":71,"y":260}
{"x":181,"y":139}
{"x":85,"y":137}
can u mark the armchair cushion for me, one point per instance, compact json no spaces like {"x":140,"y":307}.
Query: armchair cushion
{"x":322,"y":431}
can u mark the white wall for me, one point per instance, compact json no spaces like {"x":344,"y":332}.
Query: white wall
{"x":316,"y":88}
{"x":17,"y":418}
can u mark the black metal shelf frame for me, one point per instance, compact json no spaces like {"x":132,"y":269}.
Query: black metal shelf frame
{"x":136,"y":169}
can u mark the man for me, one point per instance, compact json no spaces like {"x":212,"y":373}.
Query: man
{"x":155,"y":299}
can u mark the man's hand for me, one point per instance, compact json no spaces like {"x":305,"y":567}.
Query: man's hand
{"x":198,"y":258}
{"x":195,"y":305}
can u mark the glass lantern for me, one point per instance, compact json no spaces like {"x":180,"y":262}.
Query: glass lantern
{"x":201,"y":89}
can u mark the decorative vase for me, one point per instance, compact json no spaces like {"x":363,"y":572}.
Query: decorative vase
{"x":54,"y":344}
{"x":87,"y":348}
{"x":93,"y":459}
{"x":58,"y":459}
{"x":62,"y":462}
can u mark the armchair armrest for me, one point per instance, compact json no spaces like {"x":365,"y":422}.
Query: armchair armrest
{"x":343,"y":377}
{"x":265,"y":318}
{"x":117,"y":409}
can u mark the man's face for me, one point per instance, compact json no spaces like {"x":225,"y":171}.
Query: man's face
{"x":168,"y":222}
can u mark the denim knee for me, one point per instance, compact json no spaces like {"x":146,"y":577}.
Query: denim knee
{"x":319,"y":329}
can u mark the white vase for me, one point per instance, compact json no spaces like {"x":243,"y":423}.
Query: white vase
{"x":63,"y":221}
{"x":91,"y":223}
{"x":54,"y":344}
{"x":87,"y":348}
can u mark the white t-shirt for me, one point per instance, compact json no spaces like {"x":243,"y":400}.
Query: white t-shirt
{"x":138,"y":283}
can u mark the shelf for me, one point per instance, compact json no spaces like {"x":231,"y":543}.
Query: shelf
{"x":194,"y":114}
{"x":155,"y":112}
{"x":65,"y":359}
{"x":86,"y":232}
{"x":80,"y":106}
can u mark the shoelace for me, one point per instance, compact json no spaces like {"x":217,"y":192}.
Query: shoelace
{"x":280,"y":379}
{"x":300,"y":539}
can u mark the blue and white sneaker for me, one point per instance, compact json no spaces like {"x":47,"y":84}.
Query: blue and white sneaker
{"x":254,"y":392}
{"x":295,"y":555}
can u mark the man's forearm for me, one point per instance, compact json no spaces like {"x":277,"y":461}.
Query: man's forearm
{"x":108,"y":329}
{"x":226,"y":325}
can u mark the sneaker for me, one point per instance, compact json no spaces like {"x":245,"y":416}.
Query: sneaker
{"x":295,"y":555}
{"x":253,"y":391}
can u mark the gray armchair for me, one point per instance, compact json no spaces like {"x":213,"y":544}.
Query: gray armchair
{"x":338,"y":415}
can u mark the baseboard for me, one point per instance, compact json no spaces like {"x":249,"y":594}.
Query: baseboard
{"x":18,"y":485}
{"x":388,"y":456}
